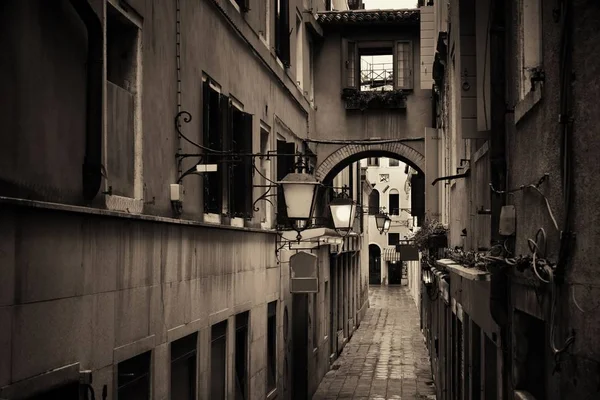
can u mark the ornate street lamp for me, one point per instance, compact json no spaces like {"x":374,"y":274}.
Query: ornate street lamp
{"x":383,"y":222}
{"x":299,"y":192}
{"x":343,"y":212}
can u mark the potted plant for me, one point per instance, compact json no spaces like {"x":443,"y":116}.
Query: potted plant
{"x":361,"y":100}
{"x":432,"y":234}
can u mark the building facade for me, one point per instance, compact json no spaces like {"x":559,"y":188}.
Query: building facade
{"x":509,"y":312}
{"x":120,"y":266}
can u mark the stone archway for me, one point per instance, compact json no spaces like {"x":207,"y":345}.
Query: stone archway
{"x":411,"y":155}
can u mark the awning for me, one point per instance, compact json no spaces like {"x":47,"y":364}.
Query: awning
{"x":390,"y":254}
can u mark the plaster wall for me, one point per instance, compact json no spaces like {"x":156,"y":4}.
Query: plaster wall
{"x":44,"y":97}
{"x":533,"y":148}
{"x":335,"y":122}
{"x":98,"y":290}
{"x":538,"y":129}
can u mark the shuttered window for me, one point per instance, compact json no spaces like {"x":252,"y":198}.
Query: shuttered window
{"x":240,"y":187}
{"x":282,"y":31}
{"x":403,"y":59}
{"x":212,"y":134}
{"x":226,"y":128}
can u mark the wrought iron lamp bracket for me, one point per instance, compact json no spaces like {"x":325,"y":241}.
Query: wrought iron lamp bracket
{"x":230,"y":157}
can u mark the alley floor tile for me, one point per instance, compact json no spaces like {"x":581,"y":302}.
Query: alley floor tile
{"x":386,"y":357}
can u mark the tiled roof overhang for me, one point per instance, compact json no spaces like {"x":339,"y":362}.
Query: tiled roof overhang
{"x":370,"y":17}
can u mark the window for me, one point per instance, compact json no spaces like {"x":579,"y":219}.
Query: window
{"x":531,"y":33}
{"x":393,"y":239}
{"x":271,"y":346}
{"x":384,"y":178}
{"x":376,"y":69}
{"x":240,"y":173}
{"x":133,"y":378}
{"x":244,"y":5}
{"x":299,"y":52}
{"x":393,"y":162}
{"x":374,"y":202}
{"x":241,"y":356}
{"x":369,"y":66}
{"x":373,"y":162}
{"x":218,"y":360}
{"x":226,"y":127}
{"x":123,"y":76}
{"x":282,"y":31}
{"x":328,"y":5}
{"x":394,"y":202}
{"x":183,"y":367}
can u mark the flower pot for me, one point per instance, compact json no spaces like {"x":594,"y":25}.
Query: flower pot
{"x":437,"y":241}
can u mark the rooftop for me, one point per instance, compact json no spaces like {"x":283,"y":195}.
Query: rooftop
{"x":369,"y":17}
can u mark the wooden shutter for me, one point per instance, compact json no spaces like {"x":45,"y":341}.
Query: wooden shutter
{"x":403,"y":65}
{"x":244,"y":5}
{"x":224,"y":169}
{"x":284,"y":32}
{"x":241,"y":172}
{"x":212,"y":127}
{"x":349,"y":64}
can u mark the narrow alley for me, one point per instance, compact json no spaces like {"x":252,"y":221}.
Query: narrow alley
{"x":386,"y":358}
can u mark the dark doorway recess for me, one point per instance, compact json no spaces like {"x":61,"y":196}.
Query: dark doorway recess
{"x":395,"y":273}
{"x":300,"y":346}
{"x":374,"y":265}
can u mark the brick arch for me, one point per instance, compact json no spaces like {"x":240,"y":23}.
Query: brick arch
{"x":404,"y":152}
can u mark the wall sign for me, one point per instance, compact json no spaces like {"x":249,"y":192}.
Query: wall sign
{"x":304,"y":273}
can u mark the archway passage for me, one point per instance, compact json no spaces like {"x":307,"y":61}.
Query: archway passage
{"x":374,"y":265}
{"x":340,"y":159}
{"x":344,"y":156}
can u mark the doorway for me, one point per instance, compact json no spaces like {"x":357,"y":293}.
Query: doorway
{"x":395,"y":273}
{"x":374,"y":265}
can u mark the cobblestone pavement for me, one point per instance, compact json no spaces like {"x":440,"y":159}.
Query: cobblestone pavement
{"x":386,"y":357}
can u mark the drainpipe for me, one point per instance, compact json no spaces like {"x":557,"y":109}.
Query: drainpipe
{"x":92,"y":162}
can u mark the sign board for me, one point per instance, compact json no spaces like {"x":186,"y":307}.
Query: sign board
{"x":408,"y":252}
{"x":304,"y":273}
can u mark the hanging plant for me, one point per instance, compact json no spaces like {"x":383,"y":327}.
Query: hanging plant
{"x":432,"y":234}
{"x":361,"y":100}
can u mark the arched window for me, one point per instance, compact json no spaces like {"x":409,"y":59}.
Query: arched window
{"x":374,"y":202}
{"x":394,"y":202}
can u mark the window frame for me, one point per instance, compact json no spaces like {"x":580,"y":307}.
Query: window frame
{"x":391,"y":235}
{"x":135,"y":202}
{"x":351,"y":53}
{"x":233,"y":182}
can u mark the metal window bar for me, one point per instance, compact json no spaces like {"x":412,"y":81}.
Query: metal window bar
{"x":376,"y":75}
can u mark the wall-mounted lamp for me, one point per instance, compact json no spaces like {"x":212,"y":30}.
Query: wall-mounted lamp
{"x":343,"y":212}
{"x":299,"y":187}
{"x":299,"y":192}
{"x":383,"y":222}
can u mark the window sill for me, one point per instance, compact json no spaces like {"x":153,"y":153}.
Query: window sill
{"x":120,"y":214}
{"x":272,"y":394}
{"x":524,"y":106}
{"x":124,"y":204}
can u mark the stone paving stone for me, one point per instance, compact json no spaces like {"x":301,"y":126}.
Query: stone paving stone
{"x":386,"y":357}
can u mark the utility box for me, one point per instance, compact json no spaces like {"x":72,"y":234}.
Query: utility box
{"x":304,"y":273}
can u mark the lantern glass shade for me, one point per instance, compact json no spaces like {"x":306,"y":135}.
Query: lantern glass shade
{"x":299,"y":192}
{"x":379,"y":221}
{"x":387,"y":223}
{"x":343,"y":212}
